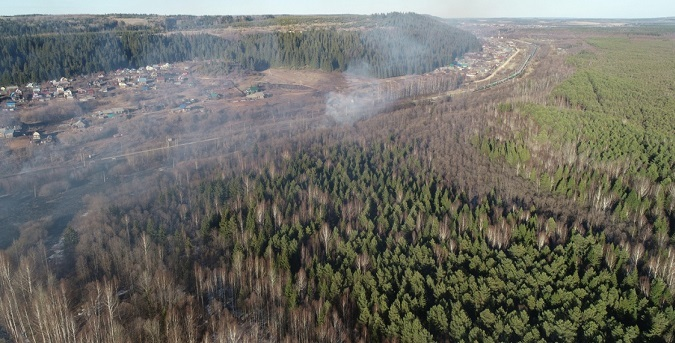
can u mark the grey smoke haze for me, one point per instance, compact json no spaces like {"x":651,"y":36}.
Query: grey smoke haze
{"x":365,"y":95}
{"x":356,"y":101}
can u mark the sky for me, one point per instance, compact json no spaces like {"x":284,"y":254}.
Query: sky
{"x":440,"y":8}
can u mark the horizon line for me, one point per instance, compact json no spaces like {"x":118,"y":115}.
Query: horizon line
{"x":332,"y":14}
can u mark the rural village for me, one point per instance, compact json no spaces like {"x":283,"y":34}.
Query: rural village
{"x":110,"y":96}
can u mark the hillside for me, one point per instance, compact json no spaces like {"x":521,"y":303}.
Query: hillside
{"x":387,"y":45}
{"x":541,"y":209}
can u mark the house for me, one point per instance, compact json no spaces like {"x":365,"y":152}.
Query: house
{"x":10,"y":104}
{"x":68,"y":94}
{"x":142,"y":80}
{"x":81,"y":124}
{"x":109,"y":113}
{"x":256,"y":96}
{"x":17,"y":94}
{"x":45,"y":95}
{"x":36,"y":136}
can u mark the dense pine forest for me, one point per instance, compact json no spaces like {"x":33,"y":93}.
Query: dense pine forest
{"x":396,"y":44}
{"x":538,"y":211}
{"x":337,"y":244}
{"x":605,"y":140}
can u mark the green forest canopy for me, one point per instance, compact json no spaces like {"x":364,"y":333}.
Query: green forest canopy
{"x":608,"y":140}
{"x":397,"y":44}
{"x":367,"y":238}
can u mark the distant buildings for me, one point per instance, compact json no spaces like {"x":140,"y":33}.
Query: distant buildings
{"x":256,"y":96}
{"x":81,"y":124}
{"x":6,"y":133}
{"x":109,"y":113}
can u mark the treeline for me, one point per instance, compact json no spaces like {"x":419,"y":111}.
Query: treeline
{"x":405,"y":44}
{"x":38,"y":25}
{"x":189,"y":22}
{"x":38,"y":58}
{"x":401,"y":44}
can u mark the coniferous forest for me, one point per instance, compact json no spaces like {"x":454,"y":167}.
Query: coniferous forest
{"x":397,"y":44}
{"x":541,"y":211}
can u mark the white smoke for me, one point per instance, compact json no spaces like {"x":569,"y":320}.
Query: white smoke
{"x":359,"y":99}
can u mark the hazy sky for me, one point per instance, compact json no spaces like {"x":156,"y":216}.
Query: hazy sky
{"x":441,"y":8}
